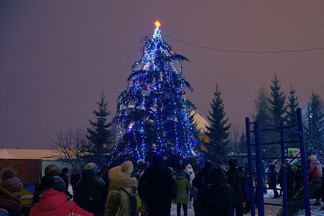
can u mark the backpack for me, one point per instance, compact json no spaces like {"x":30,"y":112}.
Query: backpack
{"x":317,"y":172}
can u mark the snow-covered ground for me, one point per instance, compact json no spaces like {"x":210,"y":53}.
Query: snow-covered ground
{"x":273,"y":210}
{"x":268,"y":210}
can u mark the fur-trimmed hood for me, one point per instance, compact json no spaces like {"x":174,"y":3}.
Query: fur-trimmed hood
{"x":128,"y":184}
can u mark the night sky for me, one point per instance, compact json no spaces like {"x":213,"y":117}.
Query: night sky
{"x":57,"y":56}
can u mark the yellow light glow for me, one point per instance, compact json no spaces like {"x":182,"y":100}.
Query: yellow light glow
{"x":157,"y":24}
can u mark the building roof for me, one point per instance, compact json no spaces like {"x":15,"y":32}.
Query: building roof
{"x":29,"y":154}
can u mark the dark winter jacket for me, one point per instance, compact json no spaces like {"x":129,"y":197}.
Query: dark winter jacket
{"x":88,"y":193}
{"x":273,"y":178}
{"x":75,"y":178}
{"x":156,"y":188}
{"x":182,"y":187}
{"x":122,"y":200}
{"x":48,"y":182}
{"x":236,"y":179}
{"x":53,"y":203}
{"x":9,"y":202}
{"x":9,"y":199}
{"x":216,"y":197}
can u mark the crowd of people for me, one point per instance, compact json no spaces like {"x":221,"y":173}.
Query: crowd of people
{"x":213,"y":190}
{"x":294,"y":179}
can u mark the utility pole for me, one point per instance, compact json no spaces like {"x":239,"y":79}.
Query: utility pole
{"x":309,"y":124}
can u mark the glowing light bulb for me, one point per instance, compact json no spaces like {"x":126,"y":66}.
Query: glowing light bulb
{"x":157,"y":24}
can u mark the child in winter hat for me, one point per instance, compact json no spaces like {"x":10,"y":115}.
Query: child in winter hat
{"x":9,"y":181}
{"x":10,"y":187}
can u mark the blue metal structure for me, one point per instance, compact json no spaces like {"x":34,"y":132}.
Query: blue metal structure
{"x":256,"y":169}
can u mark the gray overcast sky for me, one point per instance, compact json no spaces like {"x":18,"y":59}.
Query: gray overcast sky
{"x":57,"y":56}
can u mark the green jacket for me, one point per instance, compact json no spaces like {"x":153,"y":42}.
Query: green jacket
{"x":183,"y":187}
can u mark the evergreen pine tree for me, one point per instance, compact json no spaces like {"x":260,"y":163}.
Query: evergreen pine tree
{"x":99,"y":134}
{"x":153,"y":109}
{"x":292,"y":113}
{"x":218,"y":130}
{"x":262,"y":107}
{"x":242,"y":143}
{"x":292,"y":107}
{"x":277,"y":102}
{"x":263,"y":116}
{"x":315,"y":128}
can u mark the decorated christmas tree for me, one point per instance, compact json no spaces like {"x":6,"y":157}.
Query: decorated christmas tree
{"x":153,"y":108}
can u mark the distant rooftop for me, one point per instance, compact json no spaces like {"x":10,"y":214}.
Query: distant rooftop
{"x":29,"y":154}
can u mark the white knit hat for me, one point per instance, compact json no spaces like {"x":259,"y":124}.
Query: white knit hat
{"x":90,"y":166}
{"x":122,"y":171}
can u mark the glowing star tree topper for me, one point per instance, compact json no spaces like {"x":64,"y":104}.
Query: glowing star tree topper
{"x":157,"y":24}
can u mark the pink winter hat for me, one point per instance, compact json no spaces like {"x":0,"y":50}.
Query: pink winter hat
{"x":12,"y":184}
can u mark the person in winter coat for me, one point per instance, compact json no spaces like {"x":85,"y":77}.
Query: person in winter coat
{"x":273,"y":180}
{"x":122,"y":200}
{"x":75,"y":178}
{"x":182,"y":187}
{"x":236,"y":179}
{"x":190,"y":172}
{"x":290,"y":182}
{"x":51,"y":172}
{"x":316,"y":172}
{"x":315,"y":169}
{"x":88,"y":192}
{"x":10,"y":186}
{"x":156,"y":188}
{"x":65,"y":175}
{"x":200,"y":180}
{"x":53,"y":202}
{"x":216,"y":196}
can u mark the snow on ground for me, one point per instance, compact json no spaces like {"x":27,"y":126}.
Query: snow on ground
{"x":268,"y":210}
{"x":273,"y":210}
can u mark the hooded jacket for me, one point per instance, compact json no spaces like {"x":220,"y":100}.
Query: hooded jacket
{"x":216,"y":197}
{"x":122,"y":199}
{"x":88,"y":192}
{"x":182,"y":186}
{"x":53,"y":203}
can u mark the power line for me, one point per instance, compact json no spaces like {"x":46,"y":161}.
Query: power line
{"x":247,"y":51}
